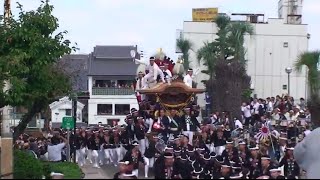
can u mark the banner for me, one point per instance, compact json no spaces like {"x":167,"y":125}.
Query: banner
{"x":204,"y":14}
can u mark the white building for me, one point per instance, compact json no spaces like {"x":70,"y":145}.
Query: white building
{"x":63,"y":108}
{"x":274,"y":46}
{"x":111,"y":80}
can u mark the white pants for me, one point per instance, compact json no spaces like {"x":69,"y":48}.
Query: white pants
{"x":149,"y":77}
{"x":123,"y":151}
{"x":108,"y":154}
{"x":117,"y":154}
{"x":80,"y":156}
{"x":95,"y":158}
{"x":142,"y":146}
{"x":89,"y":155}
{"x":149,"y":164}
{"x":101,"y":156}
{"x":190,"y":136}
{"x":136,"y":172}
{"x":219,"y":150}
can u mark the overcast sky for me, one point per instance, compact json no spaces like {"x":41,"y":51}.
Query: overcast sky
{"x":151,"y":24}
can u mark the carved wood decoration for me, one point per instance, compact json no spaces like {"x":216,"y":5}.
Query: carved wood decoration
{"x":177,"y":94}
{"x":176,"y":86}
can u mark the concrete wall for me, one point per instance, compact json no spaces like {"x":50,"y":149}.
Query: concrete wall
{"x":266,"y":54}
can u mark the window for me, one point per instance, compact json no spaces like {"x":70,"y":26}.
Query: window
{"x":124,"y":83}
{"x":285,"y":44}
{"x":68,"y":112}
{"x":104,"y":109}
{"x":122,"y":109}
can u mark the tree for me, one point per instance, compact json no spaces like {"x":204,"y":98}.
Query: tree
{"x":311,"y":60}
{"x":185,"y":46}
{"x":29,"y":53}
{"x":226,"y":65}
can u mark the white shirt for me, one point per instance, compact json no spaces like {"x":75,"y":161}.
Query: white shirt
{"x":238,"y":124}
{"x":270,"y":107}
{"x":153,"y":70}
{"x":188,"y":80}
{"x":256,"y":108}
{"x":168,"y":72}
{"x":246,"y":111}
{"x":54,"y":152}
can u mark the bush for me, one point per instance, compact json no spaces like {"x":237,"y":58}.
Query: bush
{"x":69,"y":169}
{"x":26,"y":166}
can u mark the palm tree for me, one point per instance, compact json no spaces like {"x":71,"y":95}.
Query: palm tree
{"x":185,"y":46}
{"x":237,"y":32}
{"x":311,"y":60}
{"x":228,"y":78}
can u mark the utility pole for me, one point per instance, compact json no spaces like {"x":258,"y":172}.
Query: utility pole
{"x":6,"y":134}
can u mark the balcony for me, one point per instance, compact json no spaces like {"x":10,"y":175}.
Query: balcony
{"x":112,"y":91}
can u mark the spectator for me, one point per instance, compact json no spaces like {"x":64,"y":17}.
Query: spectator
{"x":56,"y":147}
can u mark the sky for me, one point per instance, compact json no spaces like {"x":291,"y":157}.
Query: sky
{"x":151,"y":24}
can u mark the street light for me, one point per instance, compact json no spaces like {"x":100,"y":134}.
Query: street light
{"x":288,"y":71}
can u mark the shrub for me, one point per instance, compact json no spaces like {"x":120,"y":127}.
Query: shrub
{"x":26,"y":166}
{"x":69,"y":169}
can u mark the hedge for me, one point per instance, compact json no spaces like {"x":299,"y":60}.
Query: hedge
{"x":27,"y":167}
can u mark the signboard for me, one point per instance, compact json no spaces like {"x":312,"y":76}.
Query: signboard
{"x":204,"y":14}
{"x":67,"y":123}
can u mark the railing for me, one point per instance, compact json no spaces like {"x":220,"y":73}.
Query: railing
{"x":112,"y":91}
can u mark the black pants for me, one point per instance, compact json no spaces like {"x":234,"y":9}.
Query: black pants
{"x":247,"y":121}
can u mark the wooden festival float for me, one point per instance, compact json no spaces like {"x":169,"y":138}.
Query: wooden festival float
{"x":174,"y":94}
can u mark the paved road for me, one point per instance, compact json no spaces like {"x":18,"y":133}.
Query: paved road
{"x":108,"y":171}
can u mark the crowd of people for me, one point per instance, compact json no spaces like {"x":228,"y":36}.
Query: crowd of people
{"x":176,"y":145}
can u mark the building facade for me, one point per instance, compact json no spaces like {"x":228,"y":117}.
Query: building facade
{"x":63,"y":108}
{"x":274,"y":46}
{"x":111,"y":79}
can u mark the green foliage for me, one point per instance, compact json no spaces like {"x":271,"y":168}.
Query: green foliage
{"x":228,"y":82}
{"x":69,"y":169}
{"x":310,"y":59}
{"x":26,"y":166}
{"x":30,"y":49}
{"x":185,"y":46}
{"x":246,"y":94}
{"x":229,"y":43}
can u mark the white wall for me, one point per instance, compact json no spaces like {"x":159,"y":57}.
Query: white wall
{"x":60,"y":109}
{"x":267,"y":58}
{"x":94,"y":118}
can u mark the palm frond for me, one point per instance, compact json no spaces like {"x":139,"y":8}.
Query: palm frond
{"x":223,"y":21}
{"x":184,"y":45}
{"x":311,"y":60}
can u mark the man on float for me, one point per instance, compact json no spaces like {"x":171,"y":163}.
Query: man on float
{"x":154,"y":71}
{"x":166,"y":70}
{"x":188,"y":78}
{"x":141,"y":84}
